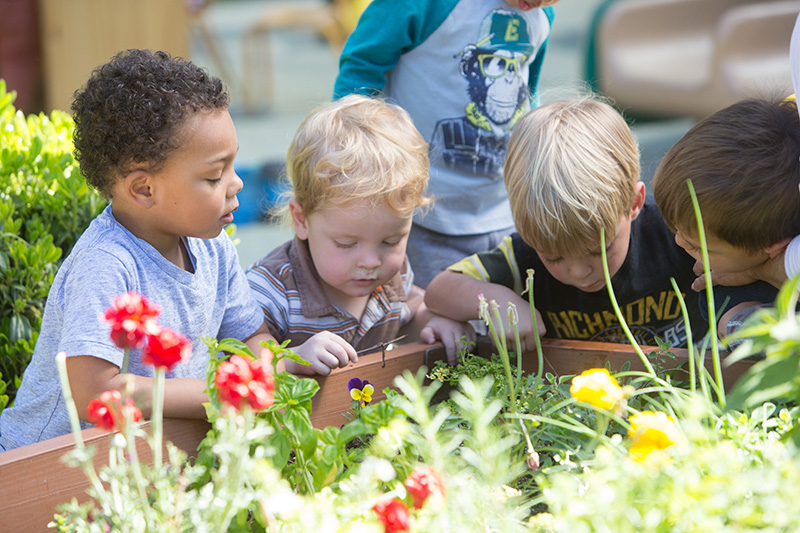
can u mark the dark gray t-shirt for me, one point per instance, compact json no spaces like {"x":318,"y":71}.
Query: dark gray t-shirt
{"x":106,"y":262}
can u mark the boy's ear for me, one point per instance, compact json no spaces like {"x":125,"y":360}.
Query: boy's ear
{"x":774,"y":250}
{"x":638,"y":200}
{"x":298,"y":219}
{"x":137,"y":185}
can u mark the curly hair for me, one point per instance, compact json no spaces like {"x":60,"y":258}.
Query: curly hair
{"x":130,"y":110}
{"x":358,"y":148}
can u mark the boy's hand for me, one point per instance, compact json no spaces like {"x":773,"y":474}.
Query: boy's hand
{"x":772,"y":271}
{"x":449,"y":332}
{"x":325,"y":351}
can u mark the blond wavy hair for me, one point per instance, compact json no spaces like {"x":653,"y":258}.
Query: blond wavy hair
{"x":358,"y":148}
{"x":571,"y":170}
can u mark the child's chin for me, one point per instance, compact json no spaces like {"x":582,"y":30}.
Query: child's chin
{"x":600,"y":285}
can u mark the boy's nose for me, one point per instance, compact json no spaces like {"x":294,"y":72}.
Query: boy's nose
{"x":369,"y":260}
{"x":236,"y":185}
{"x":579,"y":270}
{"x":680,"y":241}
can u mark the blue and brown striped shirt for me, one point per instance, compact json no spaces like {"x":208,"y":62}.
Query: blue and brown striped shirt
{"x":286,"y":285}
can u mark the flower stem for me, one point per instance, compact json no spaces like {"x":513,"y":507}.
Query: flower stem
{"x":136,"y":468}
{"x":617,"y":310}
{"x":504,"y":356}
{"x":158,"y":415}
{"x":126,"y":359}
{"x":75,"y":422}
{"x":712,"y":321}
{"x":539,"y":353}
{"x":689,"y":340}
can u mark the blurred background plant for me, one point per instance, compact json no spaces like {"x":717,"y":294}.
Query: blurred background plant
{"x":45,"y":205}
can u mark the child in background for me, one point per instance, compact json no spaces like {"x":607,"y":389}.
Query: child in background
{"x":572,"y":170}
{"x":358,"y":169}
{"x":152,"y":134}
{"x":744,"y":163}
{"x":466,"y":71}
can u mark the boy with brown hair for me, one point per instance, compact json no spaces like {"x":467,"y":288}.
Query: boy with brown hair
{"x":358,"y":169}
{"x":744,"y":164}
{"x":572,"y":171}
{"x":153,"y":134}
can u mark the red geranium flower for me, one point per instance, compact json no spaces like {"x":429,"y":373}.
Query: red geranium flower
{"x":109,"y":412}
{"x":393,"y":514}
{"x":240,"y":380}
{"x":422,"y":483}
{"x":166,"y":348}
{"x":132,"y":318}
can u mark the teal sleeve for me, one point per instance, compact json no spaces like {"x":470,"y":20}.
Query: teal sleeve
{"x":535,"y":70}
{"x":386,"y":30}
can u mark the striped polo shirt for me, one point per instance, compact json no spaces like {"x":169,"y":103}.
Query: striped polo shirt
{"x":286,"y":285}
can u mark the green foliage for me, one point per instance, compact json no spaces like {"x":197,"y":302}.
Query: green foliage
{"x":45,"y":204}
{"x":775,"y":333}
{"x":709,"y":483}
{"x":242,"y":480}
{"x":642,"y":451}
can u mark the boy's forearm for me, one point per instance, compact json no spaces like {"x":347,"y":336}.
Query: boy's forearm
{"x":455,"y":295}
{"x":422,"y":316}
{"x":261,"y":335}
{"x":90,"y":376}
{"x":183,"y":397}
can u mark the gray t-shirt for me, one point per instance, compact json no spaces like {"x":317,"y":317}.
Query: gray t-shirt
{"x":106,"y":262}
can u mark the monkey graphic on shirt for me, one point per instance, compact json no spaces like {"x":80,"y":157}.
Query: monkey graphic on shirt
{"x":498,"y":96}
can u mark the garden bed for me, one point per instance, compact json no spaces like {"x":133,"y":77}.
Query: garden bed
{"x":35,"y":480}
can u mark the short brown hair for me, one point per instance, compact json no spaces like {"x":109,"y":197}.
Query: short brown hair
{"x":744,"y":164}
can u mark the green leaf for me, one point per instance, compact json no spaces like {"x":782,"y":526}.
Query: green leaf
{"x":350,"y":431}
{"x":282,"y":447}
{"x":327,"y":470}
{"x":235,"y":346}
{"x":767,"y":380}
{"x":304,"y":389}
{"x":19,"y":328}
{"x":299,"y":425}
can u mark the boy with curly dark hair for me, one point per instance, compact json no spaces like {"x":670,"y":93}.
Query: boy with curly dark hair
{"x":153,"y":134}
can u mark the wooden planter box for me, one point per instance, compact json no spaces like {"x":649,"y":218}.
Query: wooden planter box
{"x":34,"y":480}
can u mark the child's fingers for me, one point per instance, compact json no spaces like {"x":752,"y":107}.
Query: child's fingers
{"x":427,"y":335}
{"x":342,"y":351}
{"x":320,"y":367}
{"x":330,"y":359}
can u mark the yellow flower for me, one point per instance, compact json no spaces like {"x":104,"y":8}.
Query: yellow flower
{"x":652,"y":431}
{"x":597,"y":387}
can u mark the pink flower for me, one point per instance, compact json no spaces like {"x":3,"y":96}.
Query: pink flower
{"x":422,"y":483}
{"x":166,"y":348}
{"x":132,"y":318}
{"x":110,"y":412}
{"x":246,"y":381}
{"x":393,"y":514}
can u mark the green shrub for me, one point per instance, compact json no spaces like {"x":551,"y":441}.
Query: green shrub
{"x":45,"y":205}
